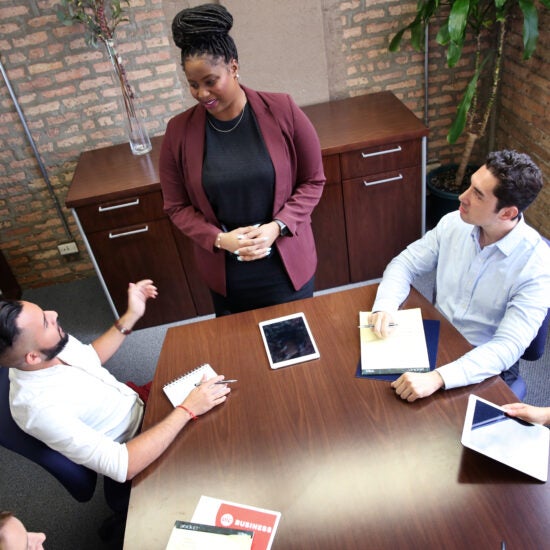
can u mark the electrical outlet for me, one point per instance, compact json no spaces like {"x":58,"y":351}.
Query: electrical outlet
{"x":67,"y":248}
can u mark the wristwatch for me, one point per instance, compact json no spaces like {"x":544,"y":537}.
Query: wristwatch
{"x":282,"y":228}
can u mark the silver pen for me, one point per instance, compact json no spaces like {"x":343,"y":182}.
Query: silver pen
{"x":220,"y":382}
{"x":372,"y":326}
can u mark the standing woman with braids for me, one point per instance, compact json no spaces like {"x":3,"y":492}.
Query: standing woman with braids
{"x":240,"y":173}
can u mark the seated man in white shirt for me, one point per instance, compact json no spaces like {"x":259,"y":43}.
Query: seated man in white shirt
{"x":492,"y":276}
{"x":61,"y":394}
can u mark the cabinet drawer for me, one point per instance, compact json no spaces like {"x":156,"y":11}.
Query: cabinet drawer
{"x":372,"y":160}
{"x":121,"y":212}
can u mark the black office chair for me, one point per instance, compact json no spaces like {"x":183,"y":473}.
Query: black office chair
{"x":77,"y":479}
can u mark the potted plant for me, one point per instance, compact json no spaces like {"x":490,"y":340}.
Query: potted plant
{"x":482,"y":24}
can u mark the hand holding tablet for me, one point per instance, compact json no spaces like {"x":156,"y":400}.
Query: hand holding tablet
{"x":519,"y":444}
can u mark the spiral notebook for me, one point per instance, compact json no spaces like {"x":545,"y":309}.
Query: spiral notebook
{"x":179,"y":389}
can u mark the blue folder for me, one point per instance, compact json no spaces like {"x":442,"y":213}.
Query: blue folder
{"x":431,"y":333}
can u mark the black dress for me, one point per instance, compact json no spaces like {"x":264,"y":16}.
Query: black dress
{"x":239,"y":181}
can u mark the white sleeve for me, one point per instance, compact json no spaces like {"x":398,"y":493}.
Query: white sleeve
{"x":520,"y":324}
{"x":419,"y":258}
{"x":78,"y":442}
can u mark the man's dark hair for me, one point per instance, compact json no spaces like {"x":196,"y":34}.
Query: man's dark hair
{"x":204,"y":30}
{"x":519,"y":178}
{"x":9,"y":331}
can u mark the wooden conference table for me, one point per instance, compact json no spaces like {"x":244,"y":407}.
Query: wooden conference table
{"x":347,"y":463}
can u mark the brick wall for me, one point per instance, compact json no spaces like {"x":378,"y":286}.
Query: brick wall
{"x":522,"y":120}
{"x":524,"y":111}
{"x":69,"y":100}
{"x":368,"y":29}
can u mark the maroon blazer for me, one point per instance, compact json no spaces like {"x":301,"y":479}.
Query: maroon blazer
{"x":295,"y":151}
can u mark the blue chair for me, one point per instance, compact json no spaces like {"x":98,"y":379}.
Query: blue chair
{"x":533,"y":352}
{"x":77,"y":479}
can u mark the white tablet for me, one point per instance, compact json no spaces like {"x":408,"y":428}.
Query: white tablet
{"x":288,"y":340}
{"x":516,"y":443}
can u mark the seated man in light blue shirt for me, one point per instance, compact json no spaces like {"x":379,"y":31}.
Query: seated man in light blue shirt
{"x":492,"y":276}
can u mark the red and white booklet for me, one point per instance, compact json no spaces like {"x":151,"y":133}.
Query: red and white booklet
{"x":222,"y":513}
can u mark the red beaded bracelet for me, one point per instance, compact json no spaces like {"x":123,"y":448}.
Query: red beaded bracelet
{"x":187,"y":411}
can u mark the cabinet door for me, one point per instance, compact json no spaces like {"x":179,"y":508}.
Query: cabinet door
{"x":199,"y":290}
{"x":383,"y":215}
{"x":329,"y":229}
{"x":144,"y":251}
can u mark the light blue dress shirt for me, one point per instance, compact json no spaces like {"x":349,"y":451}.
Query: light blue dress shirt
{"x":497,"y":297}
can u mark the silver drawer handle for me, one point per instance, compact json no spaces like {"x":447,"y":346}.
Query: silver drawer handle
{"x":378,"y":153}
{"x":128,"y":233}
{"x":396,"y":178}
{"x":116,"y":206}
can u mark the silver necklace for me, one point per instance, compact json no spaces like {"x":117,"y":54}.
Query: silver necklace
{"x":230,"y":129}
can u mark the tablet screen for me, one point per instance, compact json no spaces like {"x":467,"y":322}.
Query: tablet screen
{"x":288,"y":340}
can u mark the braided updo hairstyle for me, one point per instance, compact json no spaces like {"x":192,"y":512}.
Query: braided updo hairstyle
{"x":204,"y":30}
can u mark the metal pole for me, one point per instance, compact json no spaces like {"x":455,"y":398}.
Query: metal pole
{"x":426,"y":75}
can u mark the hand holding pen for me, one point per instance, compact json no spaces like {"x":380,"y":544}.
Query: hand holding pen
{"x":382,"y":323}
{"x":207,"y":394}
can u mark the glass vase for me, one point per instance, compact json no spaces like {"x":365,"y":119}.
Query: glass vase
{"x":137,"y":133}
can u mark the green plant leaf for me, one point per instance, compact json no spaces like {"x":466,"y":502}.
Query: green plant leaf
{"x":443,"y":36}
{"x":396,"y":40}
{"x":417,"y":30}
{"x":454,"y":51}
{"x":425,"y":9}
{"x":458,"y":19}
{"x":459,"y":123}
{"x":530,"y":27}
{"x":417,"y":37}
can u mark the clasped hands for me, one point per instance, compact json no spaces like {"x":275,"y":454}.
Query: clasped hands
{"x":410,"y":386}
{"x":250,"y":243}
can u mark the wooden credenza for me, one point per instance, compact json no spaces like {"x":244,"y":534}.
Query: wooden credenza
{"x":373,"y":204}
{"x":372,"y":207}
{"x":117,"y":202}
